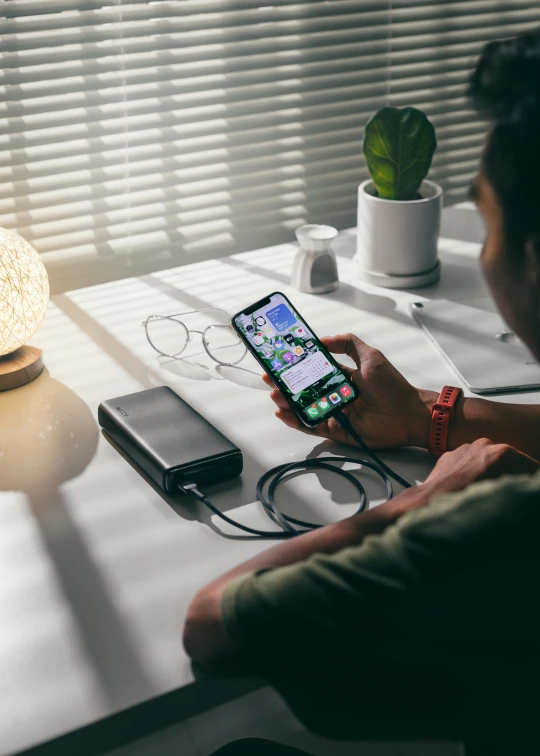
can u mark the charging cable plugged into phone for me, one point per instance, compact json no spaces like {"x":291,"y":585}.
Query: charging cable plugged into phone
{"x":180,"y":451}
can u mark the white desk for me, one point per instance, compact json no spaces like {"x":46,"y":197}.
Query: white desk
{"x":97,"y":569}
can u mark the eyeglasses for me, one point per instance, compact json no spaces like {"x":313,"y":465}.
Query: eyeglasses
{"x":169,"y":336}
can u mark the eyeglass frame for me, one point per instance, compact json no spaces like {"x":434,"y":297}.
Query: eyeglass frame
{"x":189,"y":331}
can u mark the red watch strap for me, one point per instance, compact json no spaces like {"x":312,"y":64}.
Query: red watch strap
{"x":441,"y":414}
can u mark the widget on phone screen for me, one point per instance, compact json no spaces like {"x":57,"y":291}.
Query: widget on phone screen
{"x":345,"y":391}
{"x":323,"y":403}
{"x":313,"y":411}
{"x":335,"y":398}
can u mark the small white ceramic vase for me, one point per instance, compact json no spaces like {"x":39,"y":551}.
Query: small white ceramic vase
{"x":314,"y":267}
{"x":397,"y":241}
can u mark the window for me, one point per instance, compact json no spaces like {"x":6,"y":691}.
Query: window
{"x":142,"y":135}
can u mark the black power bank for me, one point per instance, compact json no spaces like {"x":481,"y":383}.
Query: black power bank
{"x":168,"y":439}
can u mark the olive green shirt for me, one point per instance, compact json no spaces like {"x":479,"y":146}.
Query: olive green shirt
{"x":433,"y":625}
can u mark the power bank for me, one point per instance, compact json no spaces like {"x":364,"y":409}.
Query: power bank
{"x":169,"y":440}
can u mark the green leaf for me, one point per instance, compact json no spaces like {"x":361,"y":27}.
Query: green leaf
{"x":399,"y":147}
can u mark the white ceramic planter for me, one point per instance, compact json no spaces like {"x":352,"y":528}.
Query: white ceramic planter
{"x":397,"y":241}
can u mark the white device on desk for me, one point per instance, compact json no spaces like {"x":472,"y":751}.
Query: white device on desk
{"x":487,"y":356}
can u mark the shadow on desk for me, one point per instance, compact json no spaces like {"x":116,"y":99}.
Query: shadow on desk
{"x":49,"y":437}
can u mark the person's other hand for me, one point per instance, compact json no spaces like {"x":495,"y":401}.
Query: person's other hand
{"x":389,"y":411}
{"x":481,"y":460}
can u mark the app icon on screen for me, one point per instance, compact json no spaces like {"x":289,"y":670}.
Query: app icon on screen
{"x":260,"y":321}
{"x":301,"y":332}
{"x":278,"y":344}
{"x":289,"y":338}
{"x":335,"y":398}
{"x":312,"y":411}
{"x":258,"y":338}
{"x":310,"y":344}
{"x":345,"y":391}
{"x":323,"y":403}
{"x":288,"y":356}
{"x":269,"y":333}
{"x":249,"y":327}
{"x":267,"y":351}
{"x":276,"y":364}
{"x":299,"y":351}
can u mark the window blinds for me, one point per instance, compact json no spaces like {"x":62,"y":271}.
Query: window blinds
{"x":141,"y":135}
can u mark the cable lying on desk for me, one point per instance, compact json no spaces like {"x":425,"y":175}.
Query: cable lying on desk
{"x":177,"y":449}
{"x":277,"y":475}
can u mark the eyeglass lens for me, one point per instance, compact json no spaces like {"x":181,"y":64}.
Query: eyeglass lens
{"x":224,"y":345}
{"x":167,"y":336}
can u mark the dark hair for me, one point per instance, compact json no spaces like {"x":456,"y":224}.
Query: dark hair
{"x":505,"y":87}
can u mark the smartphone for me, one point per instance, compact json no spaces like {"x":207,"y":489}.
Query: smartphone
{"x":300,"y":366}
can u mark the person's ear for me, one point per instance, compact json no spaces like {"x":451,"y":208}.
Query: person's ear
{"x":532,"y":249}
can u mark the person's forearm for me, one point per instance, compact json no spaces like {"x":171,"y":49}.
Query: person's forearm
{"x":204,"y":636}
{"x":514,"y":424}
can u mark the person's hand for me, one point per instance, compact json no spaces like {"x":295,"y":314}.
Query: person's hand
{"x":481,"y":460}
{"x":389,"y":411}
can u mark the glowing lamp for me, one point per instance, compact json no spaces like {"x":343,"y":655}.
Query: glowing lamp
{"x":24,"y":293}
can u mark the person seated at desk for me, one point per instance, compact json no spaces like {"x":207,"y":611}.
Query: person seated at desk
{"x":420,"y":617}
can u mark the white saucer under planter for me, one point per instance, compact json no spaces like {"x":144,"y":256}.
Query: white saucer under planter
{"x":401,"y":282}
{"x":397,"y":241}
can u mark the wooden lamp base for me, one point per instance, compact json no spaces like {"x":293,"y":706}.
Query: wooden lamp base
{"x":20,"y":367}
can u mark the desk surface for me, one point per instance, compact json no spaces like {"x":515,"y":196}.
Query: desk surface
{"x":97,"y":568}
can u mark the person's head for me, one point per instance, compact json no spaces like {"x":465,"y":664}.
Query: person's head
{"x":505,"y":87}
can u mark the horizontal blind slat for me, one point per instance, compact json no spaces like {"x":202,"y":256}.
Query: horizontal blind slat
{"x":135,"y":19}
{"x":38,"y":160}
{"x":100,"y":71}
{"x":190,"y":95}
{"x":108,"y":60}
{"x":189,"y":136}
{"x":105,"y":39}
{"x":278,"y":109}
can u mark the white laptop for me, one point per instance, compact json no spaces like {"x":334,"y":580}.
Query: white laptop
{"x":479,"y":346}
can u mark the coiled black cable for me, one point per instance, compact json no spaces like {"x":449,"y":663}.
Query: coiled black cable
{"x":272,"y":479}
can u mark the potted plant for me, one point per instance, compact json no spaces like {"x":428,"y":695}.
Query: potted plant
{"x":399,"y":211}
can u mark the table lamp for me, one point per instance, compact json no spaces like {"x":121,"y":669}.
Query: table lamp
{"x":24,"y":293}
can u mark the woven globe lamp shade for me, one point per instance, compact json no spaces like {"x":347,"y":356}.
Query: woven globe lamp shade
{"x":24,"y":293}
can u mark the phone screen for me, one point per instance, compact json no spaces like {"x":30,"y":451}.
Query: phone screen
{"x":295,"y":359}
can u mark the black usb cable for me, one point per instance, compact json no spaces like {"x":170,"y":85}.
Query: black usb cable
{"x":268,"y":483}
